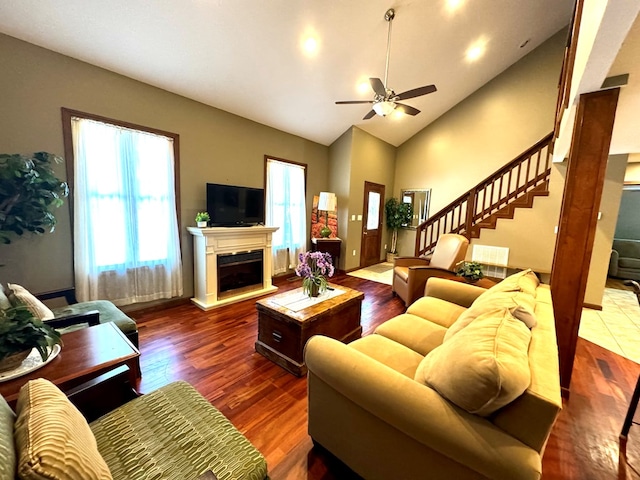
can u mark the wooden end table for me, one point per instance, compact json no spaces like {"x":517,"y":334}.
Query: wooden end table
{"x":86,"y":354}
{"x":283,"y":332}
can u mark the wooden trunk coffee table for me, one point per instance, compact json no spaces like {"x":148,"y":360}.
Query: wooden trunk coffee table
{"x":286,"y":321}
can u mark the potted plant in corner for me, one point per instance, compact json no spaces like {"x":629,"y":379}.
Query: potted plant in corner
{"x":202,"y":218}
{"x":29,"y":190}
{"x":398,"y":214}
{"x":20,"y":332}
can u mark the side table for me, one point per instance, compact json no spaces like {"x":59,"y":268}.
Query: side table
{"x":328,"y":245}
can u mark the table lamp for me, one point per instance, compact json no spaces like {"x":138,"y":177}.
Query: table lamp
{"x":326,"y":202}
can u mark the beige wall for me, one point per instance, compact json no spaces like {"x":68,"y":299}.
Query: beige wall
{"x":483,"y":132}
{"x":339,"y":183}
{"x":357,"y":157}
{"x":609,"y":206}
{"x":632,"y":174}
{"x":215,"y":146}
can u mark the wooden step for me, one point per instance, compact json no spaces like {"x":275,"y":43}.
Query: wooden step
{"x":508,"y":211}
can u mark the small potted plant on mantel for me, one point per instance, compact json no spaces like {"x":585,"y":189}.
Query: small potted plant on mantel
{"x":202,"y":218}
{"x":20,"y":333}
{"x":470,"y":271}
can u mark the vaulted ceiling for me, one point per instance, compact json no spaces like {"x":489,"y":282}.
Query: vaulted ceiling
{"x":254,"y":58}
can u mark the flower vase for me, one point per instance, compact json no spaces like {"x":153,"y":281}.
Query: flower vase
{"x":314,"y":290}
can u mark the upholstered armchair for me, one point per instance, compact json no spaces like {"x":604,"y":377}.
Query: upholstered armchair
{"x":410,"y":274}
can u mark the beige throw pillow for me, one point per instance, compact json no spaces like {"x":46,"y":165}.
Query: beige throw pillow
{"x":482,"y":368}
{"x":520,"y":304}
{"x":53,"y":440}
{"x":524,"y":281}
{"x":35,"y":306}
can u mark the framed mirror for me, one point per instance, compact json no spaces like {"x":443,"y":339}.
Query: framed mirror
{"x":419,"y":200}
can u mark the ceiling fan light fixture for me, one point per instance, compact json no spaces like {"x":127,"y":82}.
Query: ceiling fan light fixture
{"x":384,"y":108}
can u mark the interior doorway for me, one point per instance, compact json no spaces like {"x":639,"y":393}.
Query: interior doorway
{"x":371,"y":242}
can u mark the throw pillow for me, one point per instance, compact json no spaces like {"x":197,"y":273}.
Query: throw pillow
{"x":35,"y":306}
{"x":524,"y":281}
{"x":520,"y":304}
{"x":53,"y":440}
{"x":482,"y":368}
{"x":4,"y":301}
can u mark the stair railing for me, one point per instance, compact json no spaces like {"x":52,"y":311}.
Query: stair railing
{"x":529,"y":170}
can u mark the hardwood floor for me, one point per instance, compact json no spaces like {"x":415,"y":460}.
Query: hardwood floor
{"x":214,"y":351}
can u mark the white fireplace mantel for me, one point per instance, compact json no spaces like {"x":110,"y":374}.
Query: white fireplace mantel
{"x":208,"y":243}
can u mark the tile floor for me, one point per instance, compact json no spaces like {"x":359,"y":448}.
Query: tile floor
{"x":616,"y":327}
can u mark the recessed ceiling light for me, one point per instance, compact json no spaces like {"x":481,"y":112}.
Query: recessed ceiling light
{"x":364,"y":86}
{"x":476,"y":50}
{"x":310,"y":45}
{"x":453,"y":5}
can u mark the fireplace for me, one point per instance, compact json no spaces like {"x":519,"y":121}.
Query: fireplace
{"x":239,"y":272}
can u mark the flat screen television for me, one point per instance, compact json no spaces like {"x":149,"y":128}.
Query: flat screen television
{"x":234,"y":206}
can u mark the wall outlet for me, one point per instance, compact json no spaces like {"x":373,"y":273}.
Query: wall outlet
{"x":385,"y":246}
{"x":354,"y":253}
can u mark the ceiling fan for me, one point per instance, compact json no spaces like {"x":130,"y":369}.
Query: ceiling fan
{"x":386,"y":100}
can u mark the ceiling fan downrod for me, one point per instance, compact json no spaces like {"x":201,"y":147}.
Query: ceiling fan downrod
{"x":388,"y":16}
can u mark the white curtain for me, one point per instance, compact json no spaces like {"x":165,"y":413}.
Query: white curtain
{"x":127,"y":247}
{"x":286,"y":208}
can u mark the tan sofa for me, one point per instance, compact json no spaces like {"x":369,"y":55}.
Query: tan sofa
{"x":398,"y":403}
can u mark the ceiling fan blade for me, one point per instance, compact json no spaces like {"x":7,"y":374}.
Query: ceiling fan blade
{"x":378,"y":86}
{"x":372,"y":113}
{"x":407,"y":109}
{"x":348,"y":102}
{"x":416,"y":92}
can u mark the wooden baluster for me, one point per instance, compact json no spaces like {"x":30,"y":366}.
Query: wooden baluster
{"x":471,"y":199}
{"x":526,"y":178}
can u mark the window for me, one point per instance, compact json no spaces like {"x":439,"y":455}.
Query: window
{"x":286,"y":209}
{"x":126,"y":242}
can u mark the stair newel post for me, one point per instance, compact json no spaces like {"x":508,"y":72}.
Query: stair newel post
{"x":471,"y":208}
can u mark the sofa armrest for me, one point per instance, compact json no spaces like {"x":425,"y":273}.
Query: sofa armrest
{"x":417,"y":411}
{"x":613,"y":263}
{"x":460,"y":293}
{"x":91,"y":317}
{"x":69,"y":295}
{"x":410,"y":261}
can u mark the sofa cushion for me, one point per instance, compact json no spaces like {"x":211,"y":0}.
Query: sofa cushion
{"x":35,"y":306}
{"x":413,"y":332}
{"x":520,"y":304}
{"x":4,"y":301}
{"x":52,"y":437}
{"x":523,"y":281}
{"x":175,"y":433}
{"x":7,"y":449}
{"x":436,"y":310}
{"x":390,"y":353}
{"x":628,"y":262}
{"x":482,"y":368}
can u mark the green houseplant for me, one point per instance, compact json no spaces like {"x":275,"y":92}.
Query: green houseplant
{"x":202,"y":218}
{"x":470,"y":271}
{"x":20,"y":332}
{"x":398,"y":214}
{"x":28,"y":191}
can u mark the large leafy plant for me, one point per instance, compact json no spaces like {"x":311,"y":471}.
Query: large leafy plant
{"x":20,"y":331}
{"x":398,"y":214}
{"x":29,"y":190}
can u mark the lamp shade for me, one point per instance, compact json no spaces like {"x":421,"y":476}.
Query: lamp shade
{"x":327,"y":201}
{"x":384,"y":108}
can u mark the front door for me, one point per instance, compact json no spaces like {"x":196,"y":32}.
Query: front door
{"x":371,"y":224}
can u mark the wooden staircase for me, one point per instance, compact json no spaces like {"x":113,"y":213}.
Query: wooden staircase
{"x":498,"y":196}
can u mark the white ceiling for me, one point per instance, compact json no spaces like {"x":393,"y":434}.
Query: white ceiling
{"x":245,"y":56}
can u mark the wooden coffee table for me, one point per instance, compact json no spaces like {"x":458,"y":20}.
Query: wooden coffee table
{"x":86,"y":354}
{"x":283,"y":330}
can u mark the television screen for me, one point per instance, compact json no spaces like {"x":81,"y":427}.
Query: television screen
{"x":234,"y":206}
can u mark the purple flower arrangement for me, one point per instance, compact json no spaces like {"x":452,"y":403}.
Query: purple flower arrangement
{"x":314,"y":267}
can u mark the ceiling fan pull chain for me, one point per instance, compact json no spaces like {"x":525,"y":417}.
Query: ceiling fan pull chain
{"x":389,"y":18}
